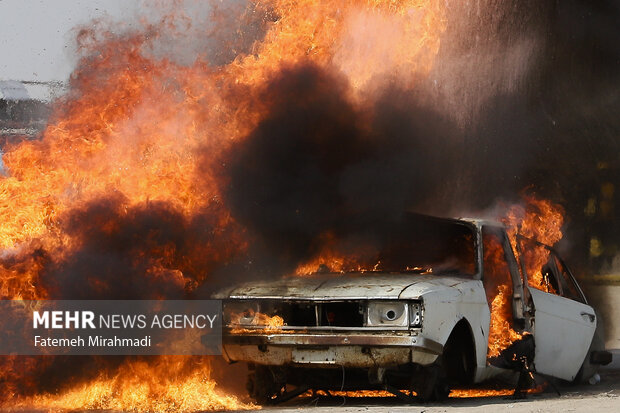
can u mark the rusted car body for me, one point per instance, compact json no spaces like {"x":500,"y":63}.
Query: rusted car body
{"x":422,"y":325}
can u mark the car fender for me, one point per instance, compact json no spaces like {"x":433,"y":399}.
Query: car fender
{"x":445,"y":306}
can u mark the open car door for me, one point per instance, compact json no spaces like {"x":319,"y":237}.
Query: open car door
{"x":564,"y":323}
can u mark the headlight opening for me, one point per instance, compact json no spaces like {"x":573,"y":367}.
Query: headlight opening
{"x":387,"y":313}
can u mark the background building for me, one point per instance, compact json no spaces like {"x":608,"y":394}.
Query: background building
{"x":24,"y":108}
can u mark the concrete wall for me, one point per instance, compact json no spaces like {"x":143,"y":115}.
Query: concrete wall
{"x":606,"y":300}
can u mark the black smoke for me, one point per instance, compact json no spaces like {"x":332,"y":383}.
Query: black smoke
{"x":317,"y":163}
{"x":145,"y":251}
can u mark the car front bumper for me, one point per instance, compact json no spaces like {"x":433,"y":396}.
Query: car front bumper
{"x":318,"y":348}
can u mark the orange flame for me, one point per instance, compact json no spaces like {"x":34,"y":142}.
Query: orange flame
{"x":177,"y":386}
{"x":498,"y":287}
{"x":501,"y":333}
{"x":469,"y":393}
{"x":454,"y":393}
{"x":542,"y":221}
{"x":268,"y":324}
{"x":331,"y":261}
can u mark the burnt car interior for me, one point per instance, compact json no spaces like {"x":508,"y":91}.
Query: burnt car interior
{"x":430,"y":245}
{"x":556,"y":277}
{"x":414,"y":244}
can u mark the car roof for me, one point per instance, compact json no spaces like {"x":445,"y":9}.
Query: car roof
{"x":478,"y":222}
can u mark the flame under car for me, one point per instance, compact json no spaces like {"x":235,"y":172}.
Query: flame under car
{"x":447,"y":303}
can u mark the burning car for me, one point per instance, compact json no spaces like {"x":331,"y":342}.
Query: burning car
{"x":448,"y":302}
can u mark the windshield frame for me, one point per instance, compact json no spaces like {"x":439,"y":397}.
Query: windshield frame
{"x":423,"y":222}
{"x":472,"y":225}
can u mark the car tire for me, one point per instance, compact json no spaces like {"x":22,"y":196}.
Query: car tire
{"x":262,"y":386}
{"x":435,"y":386}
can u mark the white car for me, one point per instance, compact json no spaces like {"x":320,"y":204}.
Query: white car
{"x":448,"y":304}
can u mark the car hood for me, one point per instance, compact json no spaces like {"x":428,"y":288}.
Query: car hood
{"x":349,"y":286}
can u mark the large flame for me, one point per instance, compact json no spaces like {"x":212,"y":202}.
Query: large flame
{"x":498,"y":287}
{"x":501,"y":331}
{"x":540,"y":220}
{"x":132,"y":128}
{"x":177,"y":386}
{"x":132,"y":123}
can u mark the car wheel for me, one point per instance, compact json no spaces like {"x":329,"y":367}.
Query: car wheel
{"x":262,"y":386}
{"x":434,"y":386}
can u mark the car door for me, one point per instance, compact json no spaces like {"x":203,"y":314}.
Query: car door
{"x":564,"y":323}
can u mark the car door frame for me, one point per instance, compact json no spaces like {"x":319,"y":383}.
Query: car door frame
{"x":519,"y":302}
{"x":573,"y":322}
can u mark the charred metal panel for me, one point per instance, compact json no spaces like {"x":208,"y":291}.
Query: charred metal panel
{"x":342,"y":286}
{"x":361,"y":350}
{"x":351,"y":356}
{"x":385,"y":340}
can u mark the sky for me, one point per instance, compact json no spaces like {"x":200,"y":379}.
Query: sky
{"x":36,"y":38}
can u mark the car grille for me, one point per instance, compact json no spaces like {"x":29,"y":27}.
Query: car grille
{"x":316,"y":314}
